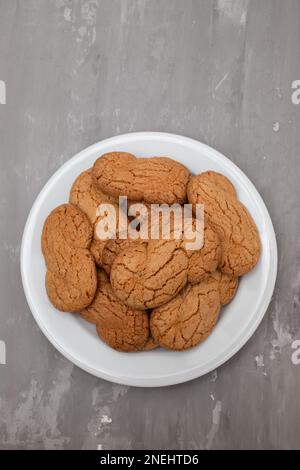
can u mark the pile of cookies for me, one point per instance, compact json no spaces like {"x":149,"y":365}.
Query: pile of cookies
{"x":141,"y":294}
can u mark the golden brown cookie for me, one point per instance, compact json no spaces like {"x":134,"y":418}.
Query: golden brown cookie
{"x":97,"y":248}
{"x":227,"y":286}
{"x":189,"y":318}
{"x":153,"y":180}
{"x":105,"y":251}
{"x":71,"y":279}
{"x":112,"y":249}
{"x":230,"y":219}
{"x":150,"y":344}
{"x":121,"y":327}
{"x":149,"y":274}
{"x":222,"y":182}
{"x":205,"y":261}
{"x":86,"y":195}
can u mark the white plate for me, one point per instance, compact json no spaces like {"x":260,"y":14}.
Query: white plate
{"x":78,"y":341}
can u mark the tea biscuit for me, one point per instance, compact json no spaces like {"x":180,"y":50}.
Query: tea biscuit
{"x":189,"y":318}
{"x":97,"y":248}
{"x":222,"y":182}
{"x":152,"y":180}
{"x":71,"y":279}
{"x":200,"y":242}
{"x":121,"y":327}
{"x":86,"y":195}
{"x":230,"y":219}
{"x":227,"y":286}
{"x":149,"y":274}
{"x":204,"y":261}
{"x":150,"y":344}
{"x":112,"y":249}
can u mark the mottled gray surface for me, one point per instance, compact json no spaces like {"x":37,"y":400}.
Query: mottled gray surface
{"x":219,"y":71}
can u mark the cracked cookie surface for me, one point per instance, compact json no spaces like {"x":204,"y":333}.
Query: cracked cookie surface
{"x":71,"y":279}
{"x":146,"y":274}
{"x":150,"y":344}
{"x":121,"y":327}
{"x":205,"y":261}
{"x":105,"y":251}
{"x":230,"y":219}
{"x":227,"y":286}
{"x":86,"y":195}
{"x":189,"y":318}
{"x":149,"y":274}
{"x":112,"y":249}
{"x":152,"y":180}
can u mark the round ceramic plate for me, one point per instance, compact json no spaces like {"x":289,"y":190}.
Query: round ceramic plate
{"x":77,"y":340}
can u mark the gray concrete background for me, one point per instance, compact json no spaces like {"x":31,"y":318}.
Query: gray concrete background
{"x":219,"y":71}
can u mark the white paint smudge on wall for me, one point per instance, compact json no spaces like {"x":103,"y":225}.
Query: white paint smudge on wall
{"x":89,"y":11}
{"x":236,"y":12}
{"x":67,"y":14}
{"x":216,"y":417}
{"x":243,"y":18}
{"x":221,"y":81}
{"x":119,"y":391}
{"x":296,"y":290}
{"x":101,"y":420}
{"x":2,"y":352}
{"x":259,"y":360}
{"x":105,"y":419}
{"x":35,"y":419}
{"x":283,"y":336}
{"x":2,"y":92}
{"x":82,"y":18}
{"x":279,"y":92}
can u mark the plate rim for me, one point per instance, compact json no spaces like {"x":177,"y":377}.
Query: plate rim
{"x":194,"y":372}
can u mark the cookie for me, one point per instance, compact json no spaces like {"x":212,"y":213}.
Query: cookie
{"x":149,"y":274}
{"x":97,"y":248}
{"x":71,"y":279}
{"x":86,"y":195}
{"x":189,"y":318}
{"x":106,"y":252}
{"x":112,"y":249}
{"x":152,"y":180}
{"x":202,"y":260}
{"x":227,"y":286}
{"x":121,"y":327}
{"x":230,"y":219}
{"x":205,"y":261}
{"x":150,"y":344}
{"x":222,"y":182}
